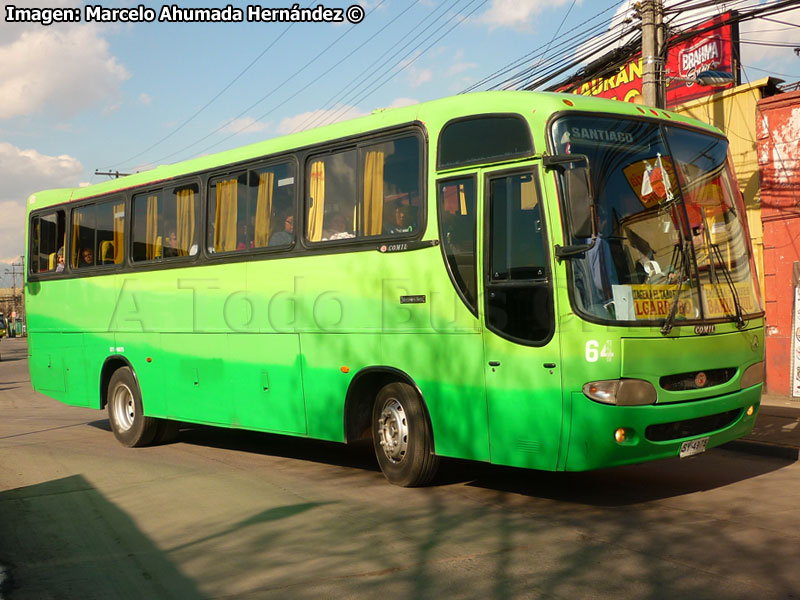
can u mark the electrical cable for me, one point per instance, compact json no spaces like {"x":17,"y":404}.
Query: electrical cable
{"x":350,"y":91}
{"x":332,"y":101}
{"x":567,"y":46}
{"x":363,"y":90}
{"x":521,"y":59}
{"x":392,"y":75}
{"x":270,"y":93}
{"x":211,"y":101}
{"x":756,"y":11}
{"x":422,"y":53}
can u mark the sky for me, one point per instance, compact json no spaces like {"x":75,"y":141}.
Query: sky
{"x":87,"y":96}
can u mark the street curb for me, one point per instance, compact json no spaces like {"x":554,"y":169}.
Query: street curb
{"x":764,"y":449}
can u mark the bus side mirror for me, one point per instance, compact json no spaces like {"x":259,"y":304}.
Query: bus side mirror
{"x":578,"y":200}
{"x":578,"y":192}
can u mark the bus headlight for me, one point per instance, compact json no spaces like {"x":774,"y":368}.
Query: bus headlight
{"x":622,"y":392}
{"x":753,"y":375}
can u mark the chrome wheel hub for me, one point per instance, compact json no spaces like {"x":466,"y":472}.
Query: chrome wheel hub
{"x":124,"y":407}
{"x":393,"y":431}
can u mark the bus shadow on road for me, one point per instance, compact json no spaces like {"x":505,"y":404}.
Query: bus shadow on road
{"x":632,"y":484}
{"x":616,"y":486}
{"x":65,"y":539}
{"x":358,"y":455}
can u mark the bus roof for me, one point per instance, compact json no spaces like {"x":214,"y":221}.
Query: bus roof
{"x":537,"y":105}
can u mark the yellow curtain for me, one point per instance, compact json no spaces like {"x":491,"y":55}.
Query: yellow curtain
{"x":317,"y":192}
{"x":119,"y":232}
{"x":151,"y":233}
{"x":185,"y":218}
{"x":225,"y":219}
{"x":373,"y":192}
{"x":77,"y":221}
{"x":528,"y":195}
{"x":462,"y":200}
{"x":264,"y":208}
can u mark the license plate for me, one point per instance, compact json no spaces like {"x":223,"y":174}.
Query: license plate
{"x":693,"y":447}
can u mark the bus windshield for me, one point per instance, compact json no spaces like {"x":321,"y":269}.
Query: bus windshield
{"x":671,"y":240}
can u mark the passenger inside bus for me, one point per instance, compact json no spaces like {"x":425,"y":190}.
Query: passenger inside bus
{"x":286,"y":236}
{"x":337,"y":229}
{"x":87,"y":258}
{"x":171,"y":246}
{"x":402,"y":220}
{"x":60,"y":260}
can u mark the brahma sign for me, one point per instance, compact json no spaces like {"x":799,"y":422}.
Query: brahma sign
{"x":712,"y":49}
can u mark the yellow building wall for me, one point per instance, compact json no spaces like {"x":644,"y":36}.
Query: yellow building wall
{"x":734,"y":112}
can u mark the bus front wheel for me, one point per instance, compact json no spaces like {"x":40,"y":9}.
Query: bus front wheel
{"x":402,"y":437}
{"x":125,"y":411}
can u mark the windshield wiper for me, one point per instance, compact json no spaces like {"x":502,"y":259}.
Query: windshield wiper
{"x":739,"y":316}
{"x":683,"y":250}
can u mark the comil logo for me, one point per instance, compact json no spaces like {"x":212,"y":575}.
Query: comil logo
{"x":705,"y":55}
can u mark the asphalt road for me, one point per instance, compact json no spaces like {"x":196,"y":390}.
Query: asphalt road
{"x":224,"y":514}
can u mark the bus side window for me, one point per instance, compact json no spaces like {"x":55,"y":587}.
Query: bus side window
{"x":272,"y":205}
{"x":110,"y":243}
{"x":389,"y":176}
{"x":229,"y":229}
{"x":391,"y":201}
{"x":518,"y":290}
{"x":457,"y":222}
{"x":47,"y":238}
{"x":83,"y":236}
{"x":331,"y":202}
{"x":146,"y":231}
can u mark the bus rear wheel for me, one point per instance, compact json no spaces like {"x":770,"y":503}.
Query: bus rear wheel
{"x":126,"y":413}
{"x":402,"y":437}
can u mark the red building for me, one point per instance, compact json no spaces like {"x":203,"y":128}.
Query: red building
{"x":778,"y":135}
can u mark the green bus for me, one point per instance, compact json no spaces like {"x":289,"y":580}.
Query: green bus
{"x":537,"y":280}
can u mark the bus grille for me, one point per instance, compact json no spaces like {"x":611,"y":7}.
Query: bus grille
{"x":687,"y":381}
{"x":691,"y":427}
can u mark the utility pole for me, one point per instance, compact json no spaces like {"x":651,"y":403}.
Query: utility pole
{"x":650,"y":57}
{"x":661,"y":53}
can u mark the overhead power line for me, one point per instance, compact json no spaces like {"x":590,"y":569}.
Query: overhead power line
{"x":352,"y":88}
{"x":332,"y":118}
{"x":581,"y":34}
{"x":556,"y":68}
{"x":265,"y":96}
{"x":211,"y":101}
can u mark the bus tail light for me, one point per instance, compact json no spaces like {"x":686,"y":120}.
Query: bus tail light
{"x":753,"y":375}
{"x":622,"y":392}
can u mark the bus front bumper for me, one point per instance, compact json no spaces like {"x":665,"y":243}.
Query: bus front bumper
{"x":604,"y":435}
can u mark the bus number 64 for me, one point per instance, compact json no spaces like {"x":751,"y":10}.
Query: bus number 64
{"x":594,"y":352}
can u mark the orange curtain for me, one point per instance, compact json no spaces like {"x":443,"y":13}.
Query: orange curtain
{"x":225,"y":218}
{"x":373,"y":192}
{"x":119,"y":232}
{"x":316,"y":211}
{"x":152,"y":244}
{"x":264,"y":208}
{"x":185,"y":218}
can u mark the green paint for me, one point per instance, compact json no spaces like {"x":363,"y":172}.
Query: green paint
{"x":273,"y":345}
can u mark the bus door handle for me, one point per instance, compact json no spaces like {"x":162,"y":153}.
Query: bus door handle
{"x":494,"y":363}
{"x":549,"y":365}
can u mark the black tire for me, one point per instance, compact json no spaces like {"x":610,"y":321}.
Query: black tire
{"x":402,"y":437}
{"x":167,"y":432}
{"x":126,"y":413}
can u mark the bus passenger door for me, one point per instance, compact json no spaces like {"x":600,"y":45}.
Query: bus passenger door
{"x":522,"y":360}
